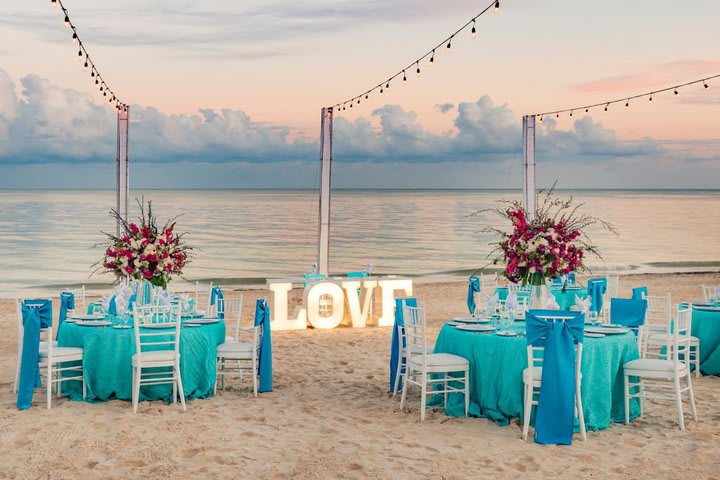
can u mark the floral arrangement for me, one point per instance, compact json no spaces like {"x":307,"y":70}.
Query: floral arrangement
{"x":145,"y":251}
{"x":550,"y":245}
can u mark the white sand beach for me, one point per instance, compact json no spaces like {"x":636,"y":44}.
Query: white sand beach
{"x":330,"y":416}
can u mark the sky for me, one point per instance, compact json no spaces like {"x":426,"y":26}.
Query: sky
{"x":227,"y":94}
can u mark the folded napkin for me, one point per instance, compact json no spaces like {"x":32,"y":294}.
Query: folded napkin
{"x":395,"y":342}
{"x":67,"y":302}
{"x":36,"y":315}
{"x":583,"y":304}
{"x":570,"y":278}
{"x":555,"y":416}
{"x":473,"y":288}
{"x":164,"y":298}
{"x":262,"y":317}
{"x":639,"y":292}
{"x":552,"y":303}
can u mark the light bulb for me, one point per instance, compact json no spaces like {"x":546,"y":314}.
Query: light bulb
{"x":67,"y":21}
{"x":447,"y":47}
{"x":366,"y":96}
{"x":571,"y":113}
{"x":650,"y":99}
{"x":417,"y":71}
{"x":381,"y":90}
{"x":705,"y":85}
{"x":73,"y":40}
{"x":473,"y":32}
{"x":85,"y":67}
{"x":497,"y":6}
{"x":606,"y":107}
{"x":387,"y":85}
{"x":676,"y":92}
{"x":432,"y":58}
{"x":404,"y":77}
{"x":586,"y":110}
{"x":627,"y":104}
{"x":53,"y":3}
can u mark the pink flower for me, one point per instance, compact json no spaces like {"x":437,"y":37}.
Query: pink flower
{"x":148,"y":274}
{"x":129,"y":269}
{"x":134,"y":228}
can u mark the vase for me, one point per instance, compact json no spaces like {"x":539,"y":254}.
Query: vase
{"x":539,"y":296}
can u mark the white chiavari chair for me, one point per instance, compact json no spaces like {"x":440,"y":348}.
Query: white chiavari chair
{"x":652,"y":374}
{"x":203,"y":293}
{"x":157,"y":350}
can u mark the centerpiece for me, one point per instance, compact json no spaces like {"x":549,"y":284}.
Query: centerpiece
{"x":143,"y":251}
{"x":546,"y":246}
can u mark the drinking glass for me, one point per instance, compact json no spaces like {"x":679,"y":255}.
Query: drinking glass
{"x":593,"y":317}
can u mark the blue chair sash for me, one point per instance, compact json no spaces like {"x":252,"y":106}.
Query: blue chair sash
{"x":67,"y":302}
{"x":639,"y":292}
{"x":628,"y":312}
{"x":357,"y":274}
{"x":216,"y":295}
{"x":555,"y":416}
{"x":596,"y":289}
{"x":570,"y":278}
{"x":262,"y":317}
{"x":395,"y":342}
{"x":36,"y":315}
{"x":473,"y":287}
{"x":112,"y":306}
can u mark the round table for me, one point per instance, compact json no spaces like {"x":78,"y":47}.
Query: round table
{"x":497,"y":363}
{"x":706,"y":327}
{"x":107,"y":353}
{"x":564,"y":298}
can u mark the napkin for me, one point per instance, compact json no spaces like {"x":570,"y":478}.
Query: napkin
{"x":583,"y":304}
{"x":552,"y":303}
{"x":164,"y":298}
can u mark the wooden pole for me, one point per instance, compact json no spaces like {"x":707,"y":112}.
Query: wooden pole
{"x":529,"y":189}
{"x":123,"y":168}
{"x":326,"y":122}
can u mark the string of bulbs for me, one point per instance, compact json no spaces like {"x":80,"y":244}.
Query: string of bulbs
{"x":98,"y":80}
{"x":385,"y":85}
{"x":606,"y":104}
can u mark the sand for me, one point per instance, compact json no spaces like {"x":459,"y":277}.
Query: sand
{"x":329,"y":416}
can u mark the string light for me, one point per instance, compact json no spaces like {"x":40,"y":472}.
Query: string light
{"x":650,"y":95}
{"x":447,"y":42}
{"x":82,"y":53}
{"x":497,"y":6}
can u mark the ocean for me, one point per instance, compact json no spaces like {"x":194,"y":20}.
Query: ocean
{"x":246,"y":236}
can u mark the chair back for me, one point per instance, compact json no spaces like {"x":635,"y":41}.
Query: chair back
{"x":157,"y":327}
{"x":415,"y":333}
{"x":711,"y":293}
{"x":536,"y":350}
{"x":488,"y":282}
{"x":79,"y":293}
{"x":658,"y":311}
{"x":613,"y":285}
{"x":231,"y":310}
{"x":681,"y":326}
{"x":203,"y":292}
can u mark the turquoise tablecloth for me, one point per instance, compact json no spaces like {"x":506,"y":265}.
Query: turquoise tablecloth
{"x":706,"y":327}
{"x":497,"y":363}
{"x":565,"y":299}
{"x":108,"y":368}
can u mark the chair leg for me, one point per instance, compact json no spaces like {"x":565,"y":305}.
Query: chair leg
{"x":580,"y":413}
{"x":222,"y":374}
{"x":49,"y":384}
{"x":180,"y":386}
{"x":445,"y":387}
{"x":423,"y":396}
{"x":626,"y":394}
{"x":84,"y":385}
{"x":678,"y":400}
{"x":404,"y":389}
{"x":527,"y":410}
{"x":174,"y":387}
{"x":217,"y":374}
{"x":255,"y":377}
{"x":17,"y":375}
{"x":467,"y":392}
{"x":57,"y":382}
{"x":136,"y":388}
{"x":691,"y":396}
{"x":697,"y":361}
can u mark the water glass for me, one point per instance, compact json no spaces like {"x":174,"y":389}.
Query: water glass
{"x":593,"y":317}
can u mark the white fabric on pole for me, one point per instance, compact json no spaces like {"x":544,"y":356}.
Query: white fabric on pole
{"x":123,"y":168}
{"x":529,"y":197}
{"x":326,"y":122}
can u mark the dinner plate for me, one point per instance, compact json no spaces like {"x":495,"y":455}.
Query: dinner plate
{"x":607,"y":330}
{"x":86,"y":317}
{"x":192,"y":315}
{"x":707,"y":308}
{"x":595,"y":335}
{"x":476,"y":328}
{"x":506,"y":333}
{"x":192,"y":325}
{"x":95,"y":323}
{"x":121,"y":327}
{"x":455,"y":323}
{"x":205,"y":321}
{"x":471,"y":320}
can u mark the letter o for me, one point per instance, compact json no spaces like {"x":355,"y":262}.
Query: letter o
{"x":313,"y":305}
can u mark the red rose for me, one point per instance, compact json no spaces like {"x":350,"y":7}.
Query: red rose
{"x":148,"y":274}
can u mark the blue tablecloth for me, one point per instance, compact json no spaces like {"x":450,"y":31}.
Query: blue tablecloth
{"x":108,"y":367}
{"x":565,"y":299}
{"x":706,"y":327}
{"x":497,"y":363}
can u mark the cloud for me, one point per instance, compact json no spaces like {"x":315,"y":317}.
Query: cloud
{"x":445,"y":107}
{"x":49,"y":124}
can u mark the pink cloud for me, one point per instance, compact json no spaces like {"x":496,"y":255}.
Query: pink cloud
{"x":653,"y":76}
